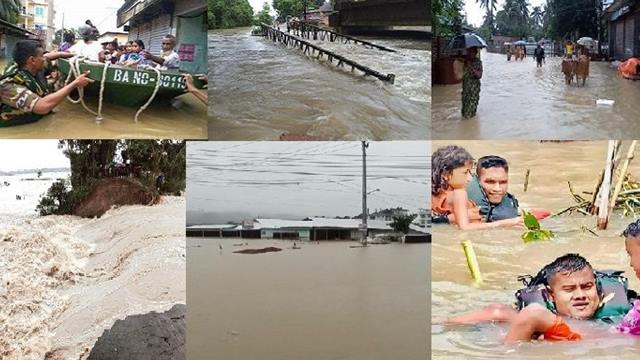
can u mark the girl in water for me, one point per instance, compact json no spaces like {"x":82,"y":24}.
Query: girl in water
{"x":451,"y":173}
{"x":631,"y":322}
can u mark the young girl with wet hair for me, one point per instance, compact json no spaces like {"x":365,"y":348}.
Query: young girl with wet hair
{"x":450,"y":174}
{"x":631,"y":322}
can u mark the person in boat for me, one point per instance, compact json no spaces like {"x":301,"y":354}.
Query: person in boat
{"x":192,"y":89}
{"x":89,"y":47}
{"x":24,"y":93}
{"x":136,"y":56}
{"x":169,"y":59}
{"x":568,"y":287}
{"x":69,"y":41}
{"x":110,"y":51}
{"x":451,"y":174}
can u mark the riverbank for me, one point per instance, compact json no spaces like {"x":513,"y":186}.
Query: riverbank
{"x":67,"y":279}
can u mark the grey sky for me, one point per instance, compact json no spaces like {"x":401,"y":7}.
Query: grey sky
{"x":231,"y":181}
{"x":475,"y":13}
{"x":102,"y":13}
{"x":31,"y":154}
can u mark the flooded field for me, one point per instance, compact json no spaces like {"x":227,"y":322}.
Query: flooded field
{"x":185,"y":118}
{"x":503,"y":256}
{"x":324,"y":301}
{"x":261,"y":89}
{"x":521,"y":101}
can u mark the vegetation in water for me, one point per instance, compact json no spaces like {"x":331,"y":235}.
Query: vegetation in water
{"x":534,"y":232}
{"x":94,"y":160}
{"x":401,"y":223}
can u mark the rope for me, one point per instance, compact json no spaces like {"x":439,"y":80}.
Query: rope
{"x":153,"y":95}
{"x":101,"y":96}
{"x":75,"y":69}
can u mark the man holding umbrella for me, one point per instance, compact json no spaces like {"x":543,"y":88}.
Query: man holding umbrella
{"x":472,"y":71}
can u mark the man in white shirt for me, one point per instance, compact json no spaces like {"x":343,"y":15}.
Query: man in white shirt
{"x":89,"y":47}
{"x":169,"y":60}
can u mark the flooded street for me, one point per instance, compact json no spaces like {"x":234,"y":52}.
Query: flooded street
{"x":187,"y":119}
{"x":521,"y":101}
{"x":262,"y":89}
{"x":324,"y":301}
{"x":503,"y":256}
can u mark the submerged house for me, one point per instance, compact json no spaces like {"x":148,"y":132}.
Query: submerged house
{"x":623,"y":17}
{"x":151,"y":20}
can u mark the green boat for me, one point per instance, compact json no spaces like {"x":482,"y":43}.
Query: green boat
{"x":129,"y":86}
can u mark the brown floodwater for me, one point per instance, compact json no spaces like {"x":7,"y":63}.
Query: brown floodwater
{"x":185,"y":119}
{"x":520,"y":101}
{"x":324,"y":301}
{"x":503,"y":256}
{"x":261,"y":89}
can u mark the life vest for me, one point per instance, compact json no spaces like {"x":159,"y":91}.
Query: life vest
{"x":507,"y":209}
{"x":607,"y":282}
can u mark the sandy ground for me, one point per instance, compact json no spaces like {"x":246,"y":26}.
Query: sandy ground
{"x":66,"y":279}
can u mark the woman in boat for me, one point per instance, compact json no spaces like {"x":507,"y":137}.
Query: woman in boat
{"x":136,"y":56}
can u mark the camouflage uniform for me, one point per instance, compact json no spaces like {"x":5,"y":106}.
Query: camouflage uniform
{"x":19,"y":92}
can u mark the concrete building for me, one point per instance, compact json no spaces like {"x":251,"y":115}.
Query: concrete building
{"x":623,"y":17}
{"x":9,"y":35}
{"x":151,"y":20}
{"x":37,"y":16}
{"x":121,"y":36}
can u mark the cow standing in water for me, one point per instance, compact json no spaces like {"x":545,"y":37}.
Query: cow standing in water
{"x":578,"y":68}
{"x":582,"y":69}
{"x":569,"y":70}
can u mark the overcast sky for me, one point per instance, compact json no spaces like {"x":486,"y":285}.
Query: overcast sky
{"x":102,"y":13}
{"x":232,"y":181}
{"x":475,"y":14}
{"x":31,"y":154}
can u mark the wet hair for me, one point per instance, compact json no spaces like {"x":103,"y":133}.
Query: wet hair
{"x":139,"y":42}
{"x":69,"y":37}
{"x":443,"y":162}
{"x":491,"y":161}
{"x":566,"y":263}
{"x":632,"y":230}
{"x":25,"y":49}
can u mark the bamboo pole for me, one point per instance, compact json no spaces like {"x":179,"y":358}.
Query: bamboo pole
{"x":602,"y":202}
{"x":622,"y":175}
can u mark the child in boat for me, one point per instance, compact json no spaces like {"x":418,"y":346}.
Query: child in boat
{"x":451,"y":172}
{"x":125,"y":55}
{"x":570,"y":283}
{"x":136,"y":55}
{"x":631,"y":322}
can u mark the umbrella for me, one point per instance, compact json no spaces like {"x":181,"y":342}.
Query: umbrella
{"x":586,"y":41}
{"x":466,"y":41}
{"x":520,"y":42}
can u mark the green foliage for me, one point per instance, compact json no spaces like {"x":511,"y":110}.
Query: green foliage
{"x":447,"y":17}
{"x":223,"y":14}
{"x":263,"y":16}
{"x":513,"y":19}
{"x":91,"y":160}
{"x":9,"y":10}
{"x":572,"y":19}
{"x":286,"y":8}
{"x":401,"y":223}
{"x":534,"y":232}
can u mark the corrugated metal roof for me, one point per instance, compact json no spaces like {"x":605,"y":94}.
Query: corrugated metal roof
{"x":214,"y":227}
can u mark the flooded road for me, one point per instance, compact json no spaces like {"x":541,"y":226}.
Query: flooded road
{"x":187,"y":119}
{"x":503,"y":256}
{"x":324,"y":301}
{"x":520,"y":101}
{"x":261,"y":89}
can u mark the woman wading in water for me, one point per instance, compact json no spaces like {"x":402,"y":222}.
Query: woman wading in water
{"x":471,"y":83}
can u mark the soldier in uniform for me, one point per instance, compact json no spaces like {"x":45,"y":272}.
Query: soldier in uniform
{"x":25,"y":95}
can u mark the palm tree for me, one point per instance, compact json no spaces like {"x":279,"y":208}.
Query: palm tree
{"x":537,"y":15}
{"x":490,"y":5}
{"x":9,"y":10}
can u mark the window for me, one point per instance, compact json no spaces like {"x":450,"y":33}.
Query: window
{"x":39,"y":11}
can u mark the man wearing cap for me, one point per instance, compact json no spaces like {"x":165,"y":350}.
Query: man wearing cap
{"x":89,"y":47}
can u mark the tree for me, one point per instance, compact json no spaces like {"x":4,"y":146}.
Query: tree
{"x":9,"y":10}
{"x":572,"y":18}
{"x":489,"y":19}
{"x":264,"y":15}
{"x":401,"y":223}
{"x":224,"y":14}
{"x":447,"y":17}
{"x":537,"y":16}
{"x":286,"y":8}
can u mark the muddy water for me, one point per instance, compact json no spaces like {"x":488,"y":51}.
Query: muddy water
{"x":186,"y":118}
{"x":262,"y":89}
{"x":324,"y":301}
{"x":521,"y":101}
{"x":503,"y":256}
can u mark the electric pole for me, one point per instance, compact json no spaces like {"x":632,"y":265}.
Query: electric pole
{"x":364,"y":229}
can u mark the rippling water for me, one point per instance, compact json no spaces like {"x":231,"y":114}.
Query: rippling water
{"x":521,"y":101}
{"x":503,"y":256}
{"x":185,"y":119}
{"x":262,"y":89}
{"x":324,"y":301}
